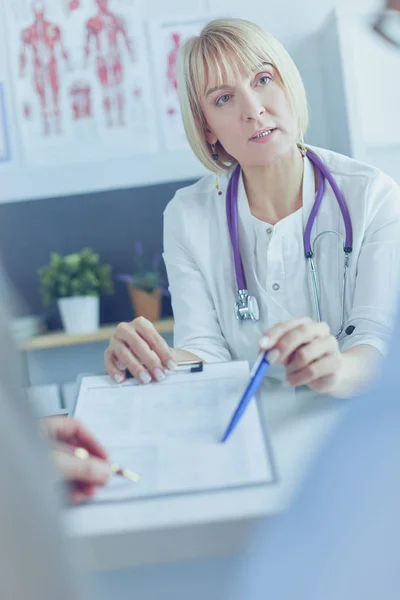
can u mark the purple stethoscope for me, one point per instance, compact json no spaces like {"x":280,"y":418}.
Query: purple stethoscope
{"x":246,"y":305}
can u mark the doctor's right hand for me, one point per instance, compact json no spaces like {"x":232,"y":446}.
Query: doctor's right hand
{"x":138,"y":347}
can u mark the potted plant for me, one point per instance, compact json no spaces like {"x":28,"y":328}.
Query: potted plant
{"x":76,"y":281}
{"x":146,"y":285}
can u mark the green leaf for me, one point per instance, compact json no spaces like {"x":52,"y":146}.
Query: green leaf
{"x":77,"y":274}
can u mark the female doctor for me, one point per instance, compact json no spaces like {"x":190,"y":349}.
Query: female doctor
{"x":284,"y":248}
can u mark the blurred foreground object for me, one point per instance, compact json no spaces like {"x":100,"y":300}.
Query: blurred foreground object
{"x":388,"y":23}
{"x":29,"y":512}
{"x":24,"y":328}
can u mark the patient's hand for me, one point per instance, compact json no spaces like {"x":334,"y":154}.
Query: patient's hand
{"x":82,"y":476}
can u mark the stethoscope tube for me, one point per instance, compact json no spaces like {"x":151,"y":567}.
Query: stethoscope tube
{"x":314,"y":281}
{"x":233,"y":227}
{"x":309,"y":252}
{"x":323,"y":171}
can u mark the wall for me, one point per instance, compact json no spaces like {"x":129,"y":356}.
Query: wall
{"x":109,"y":222}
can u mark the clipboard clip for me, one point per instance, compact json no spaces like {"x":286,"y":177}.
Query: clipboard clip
{"x":191,"y":366}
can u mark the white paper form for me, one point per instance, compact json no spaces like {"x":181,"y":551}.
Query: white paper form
{"x":170,"y":432}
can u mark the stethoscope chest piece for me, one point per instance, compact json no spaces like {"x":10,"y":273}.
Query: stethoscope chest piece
{"x":246,"y":306}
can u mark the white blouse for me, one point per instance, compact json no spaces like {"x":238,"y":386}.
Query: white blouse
{"x":199,"y":261}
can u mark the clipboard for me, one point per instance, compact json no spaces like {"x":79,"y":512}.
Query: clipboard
{"x":169,"y":432}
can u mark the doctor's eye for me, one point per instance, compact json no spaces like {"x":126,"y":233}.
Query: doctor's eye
{"x":223,"y":99}
{"x":264,"y":80}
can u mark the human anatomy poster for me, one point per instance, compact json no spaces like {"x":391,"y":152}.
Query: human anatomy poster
{"x":80,"y":77}
{"x":166,"y":39}
{"x":4,"y":134}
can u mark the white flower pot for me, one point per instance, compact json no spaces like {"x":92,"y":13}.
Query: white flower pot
{"x":79,"y":314}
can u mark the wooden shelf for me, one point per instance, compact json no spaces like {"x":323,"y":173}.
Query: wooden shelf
{"x":57,"y":339}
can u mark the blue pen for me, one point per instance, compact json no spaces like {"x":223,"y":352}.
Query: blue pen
{"x":256,"y":378}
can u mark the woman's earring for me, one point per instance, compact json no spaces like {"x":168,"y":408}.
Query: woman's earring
{"x":302,"y":147}
{"x":214,"y":156}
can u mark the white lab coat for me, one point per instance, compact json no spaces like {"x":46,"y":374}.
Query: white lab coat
{"x":199,"y":262}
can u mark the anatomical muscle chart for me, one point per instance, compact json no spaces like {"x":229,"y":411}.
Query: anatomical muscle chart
{"x":167,"y":38}
{"x":4,"y":136}
{"x":81,"y":82}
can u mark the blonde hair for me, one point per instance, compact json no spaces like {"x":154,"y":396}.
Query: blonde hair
{"x":211,"y":51}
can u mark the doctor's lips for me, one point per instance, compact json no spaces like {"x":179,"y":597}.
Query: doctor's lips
{"x":262,"y":133}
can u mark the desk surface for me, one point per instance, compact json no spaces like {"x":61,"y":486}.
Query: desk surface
{"x":128,"y":534}
{"x":56,"y":339}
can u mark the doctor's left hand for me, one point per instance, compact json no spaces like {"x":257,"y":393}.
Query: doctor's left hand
{"x":309,"y":352}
